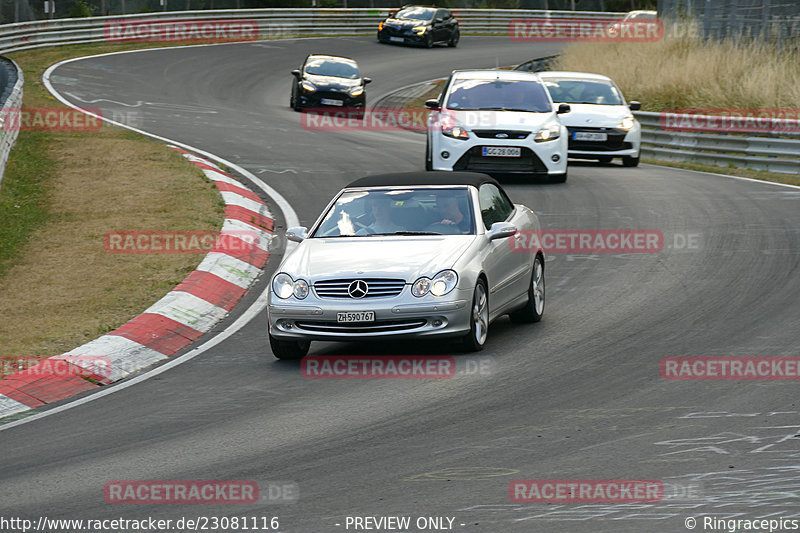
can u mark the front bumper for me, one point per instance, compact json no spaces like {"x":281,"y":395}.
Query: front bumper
{"x":401,"y":36}
{"x":618,"y":142}
{"x":395,"y":317}
{"x":316,"y":98}
{"x":536,"y":158}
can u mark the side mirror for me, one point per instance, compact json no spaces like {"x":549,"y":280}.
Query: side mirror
{"x":438,"y":20}
{"x":432,"y":104}
{"x":635,"y":106}
{"x":501,"y":230}
{"x":367,"y":80}
{"x":563,"y":108}
{"x":297,"y":233}
{"x":296,"y":73}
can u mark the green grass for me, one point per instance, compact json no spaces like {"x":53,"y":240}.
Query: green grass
{"x":24,"y":194}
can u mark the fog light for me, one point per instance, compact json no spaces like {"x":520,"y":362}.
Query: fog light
{"x":555,"y":157}
{"x":437,"y":323}
{"x":445,"y":154}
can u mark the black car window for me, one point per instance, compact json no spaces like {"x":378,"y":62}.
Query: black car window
{"x":509,"y":95}
{"x":495,"y":206}
{"x":441,"y":14}
{"x":416,"y":13}
{"x":328,"y":67}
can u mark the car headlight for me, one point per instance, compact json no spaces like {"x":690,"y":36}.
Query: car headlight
{"x":284,"y":286}
{"x":442,"y":283}
{"x":380,"y":26}
{"x":419,"y":30}
{"x":452,"y":128}
{"x":357,"y":91}
{"x":626,"y":123}
{"x":308,"y":86}
{"x":550,"y":132}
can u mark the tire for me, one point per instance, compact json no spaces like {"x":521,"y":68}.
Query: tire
{"x":479,"y":319}
{"x":428,"y":158}
{"x":453,"y":42}
{"x":294,"y":105}
{"x":558,"y":178}
{"x":429,"y":40}
{"x":288,"y":350}
{"x":606,"y":159}
{"x":534,"y":308}
{"x":628,"y":161}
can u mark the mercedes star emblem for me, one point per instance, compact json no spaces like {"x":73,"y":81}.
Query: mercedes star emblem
{"x":358,"y":289}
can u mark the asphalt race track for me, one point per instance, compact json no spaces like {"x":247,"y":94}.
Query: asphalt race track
{"x":577,"y":396}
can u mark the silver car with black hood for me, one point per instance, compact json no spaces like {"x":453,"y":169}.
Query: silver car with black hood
{"x":412,"y":255}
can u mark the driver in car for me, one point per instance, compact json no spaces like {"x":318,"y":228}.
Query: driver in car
{"x":451,"y":215}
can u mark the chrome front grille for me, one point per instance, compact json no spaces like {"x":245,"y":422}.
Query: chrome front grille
{"x":376,"y":287}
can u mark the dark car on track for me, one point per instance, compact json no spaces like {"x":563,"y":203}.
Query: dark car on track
{"x":420,"y":25}
{"x":325,"y":80}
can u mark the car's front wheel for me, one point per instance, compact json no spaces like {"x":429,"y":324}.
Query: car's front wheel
{"x":429,"y":40}
{"x":479,"y":319}
{"x":628,"y":161}
{"x":534,"y":309}
{"x":289,"y":349}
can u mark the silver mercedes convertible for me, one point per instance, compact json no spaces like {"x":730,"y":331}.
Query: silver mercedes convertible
{"x":412,"y":255}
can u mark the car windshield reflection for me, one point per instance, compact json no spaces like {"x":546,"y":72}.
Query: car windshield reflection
{"x":387,"y":212}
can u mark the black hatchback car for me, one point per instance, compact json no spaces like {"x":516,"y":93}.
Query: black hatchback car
{"x":420,"y":25}
{"x":325,"y":80}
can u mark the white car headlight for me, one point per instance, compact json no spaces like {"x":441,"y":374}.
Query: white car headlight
{"x":357,"y":91}
{"x":419,"y":30}
{"x":452,"y":128}
{"x":308,"y":86}
{"x":284,"y":286}
{"x":626,"y":123}
{"x":549,"y":132}
{"x":442,"y":283}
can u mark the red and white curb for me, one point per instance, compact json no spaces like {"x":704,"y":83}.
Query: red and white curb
{"x":191,"y":309}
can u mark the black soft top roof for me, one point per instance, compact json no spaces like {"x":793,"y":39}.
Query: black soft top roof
{"x":405,"y":179}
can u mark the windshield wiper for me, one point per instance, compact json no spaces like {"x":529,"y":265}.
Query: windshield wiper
{"x":405,"y":233}
{"x":509,"y":109}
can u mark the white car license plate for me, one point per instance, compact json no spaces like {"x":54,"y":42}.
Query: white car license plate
{"x":501,"y":151}
{"x":396,"y":39}
{"x":360,"y":316}
{"x":589,"y":136}
{"x":329,"y":101}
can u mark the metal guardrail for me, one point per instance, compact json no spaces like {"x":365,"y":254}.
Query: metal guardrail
{"x":271,"y":22}
{"x":771,"y":153}
{"x":12,"y":104}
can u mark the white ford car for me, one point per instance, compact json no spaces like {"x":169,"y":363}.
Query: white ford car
{"x":499,"y":122}
{"x":600,"y":123}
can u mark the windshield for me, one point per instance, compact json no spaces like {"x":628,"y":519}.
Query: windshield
{"x":583,"y":92}
{"x":336,"y":69}
{"x":416,"y":13}
{"x":379,"y":212}
{"x":507,"y":95}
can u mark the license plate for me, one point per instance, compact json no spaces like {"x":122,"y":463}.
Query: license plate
{"x":501,"y":151}
{"x":396,"y":39}
{"x":589,"y":136}
{"x":329,"y":101}
{"x":360,"y":316}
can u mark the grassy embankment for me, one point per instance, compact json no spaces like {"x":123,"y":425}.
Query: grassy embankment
{"x":62,"y":191}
